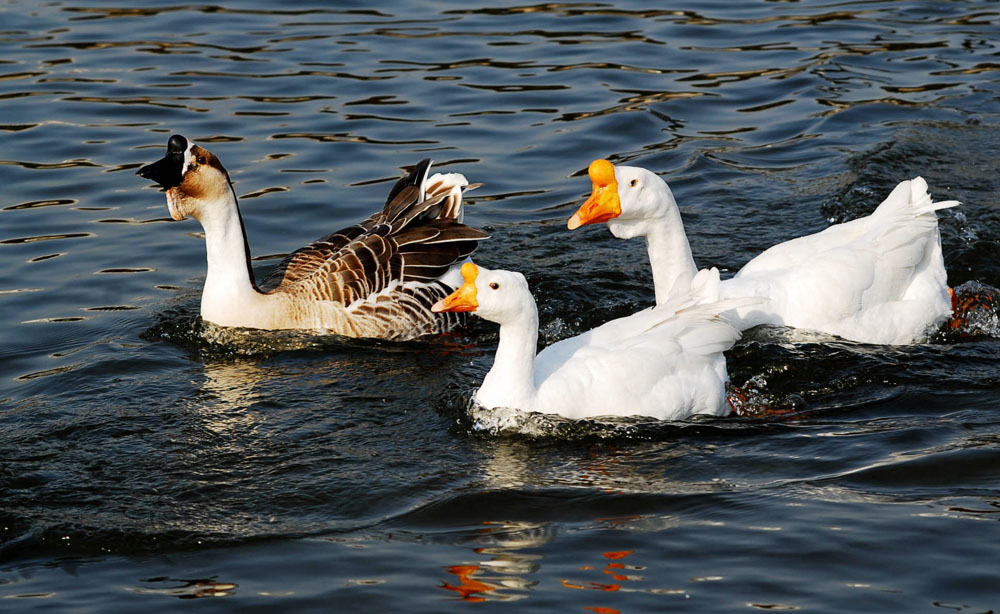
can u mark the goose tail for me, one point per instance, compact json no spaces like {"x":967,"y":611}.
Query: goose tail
{"x":419,"y":198}
{"x":911,"y":199}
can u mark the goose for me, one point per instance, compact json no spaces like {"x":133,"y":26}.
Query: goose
{"x":665,"y":362}
{"x":377,"y":278}
{"x":878,"y":279}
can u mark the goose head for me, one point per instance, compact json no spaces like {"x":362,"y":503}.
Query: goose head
{"x":627,"y":198}
{"x":193,"y":178}
{"x":498,"y":296}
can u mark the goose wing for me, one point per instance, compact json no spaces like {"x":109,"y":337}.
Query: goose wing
{"x":878,"y":279}
{"x":415,"y":238}
{"x":666,"y":364}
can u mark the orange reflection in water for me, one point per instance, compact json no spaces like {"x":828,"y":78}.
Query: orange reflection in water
{"x":613,"y":568}
{"x":502,"y":570}
{"x":601,"y":470}
{"x":618,"y":555}
{"x":468,"y":587}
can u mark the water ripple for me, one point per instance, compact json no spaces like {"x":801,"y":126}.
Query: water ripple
{"x":240,"y":463}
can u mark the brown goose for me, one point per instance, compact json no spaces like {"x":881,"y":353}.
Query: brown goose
{"x":378,"y":278}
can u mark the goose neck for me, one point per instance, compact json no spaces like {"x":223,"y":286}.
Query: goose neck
{"x":510,"y":382}
{"x":230,"y":277}
{"x":669,"y":256}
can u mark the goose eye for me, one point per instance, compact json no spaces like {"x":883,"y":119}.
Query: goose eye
{"x":634,"y":182}
{"x":494,"y":286}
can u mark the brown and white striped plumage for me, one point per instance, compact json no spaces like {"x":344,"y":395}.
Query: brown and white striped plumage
{"x":377,"y":278}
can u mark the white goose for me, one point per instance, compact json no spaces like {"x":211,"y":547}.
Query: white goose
{"x":877,"y":279}
{"x":378,"y":278}
{"x":664,"y":362}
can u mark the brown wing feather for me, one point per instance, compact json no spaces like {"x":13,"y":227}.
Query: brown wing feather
{"x":303,"y":262}
{"x":306,"y":261}
{"x":409,"y":240}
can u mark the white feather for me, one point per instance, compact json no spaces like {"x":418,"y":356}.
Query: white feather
{"x":877,"y":279}
{"x":664,"y":362}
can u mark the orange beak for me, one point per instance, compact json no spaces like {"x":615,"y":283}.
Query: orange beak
{"x":604,"y":203}
{"x":464,"y":298}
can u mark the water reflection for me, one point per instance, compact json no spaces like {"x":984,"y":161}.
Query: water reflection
{"x":468,"y":588}
{"x":189,"y":589}
{"x":71,"y":235}
{"x":755,"y":112}
{"x":603,"y":468}
{"x":616,"y":576}
{"x":505,"y":575}
{"x":41,"y":203}
{"x":228,"y":394}
{"x":515,"y":562}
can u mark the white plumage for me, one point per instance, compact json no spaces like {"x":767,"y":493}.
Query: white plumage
{"x":877,"y":279}
{"x":664,"y":362}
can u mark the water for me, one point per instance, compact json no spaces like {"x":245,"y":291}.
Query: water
{"x":146,"y":458}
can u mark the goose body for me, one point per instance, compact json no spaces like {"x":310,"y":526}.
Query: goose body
{"x":377,"y":278}
{"x":664,"y":362}
{"x":876,"y":279}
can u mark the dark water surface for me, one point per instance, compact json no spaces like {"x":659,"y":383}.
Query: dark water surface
{"x":146,"y":458}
